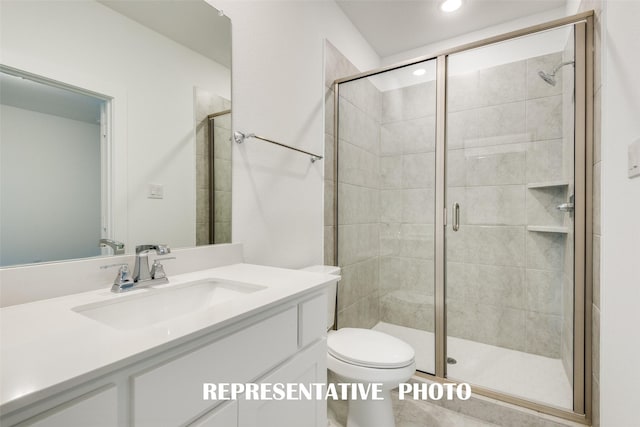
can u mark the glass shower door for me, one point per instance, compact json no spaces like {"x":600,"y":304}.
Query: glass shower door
{"x":509,"y":243}
{"x":386,"y":205}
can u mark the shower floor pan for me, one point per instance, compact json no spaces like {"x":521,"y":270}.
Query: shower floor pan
{"x":521,"y":374}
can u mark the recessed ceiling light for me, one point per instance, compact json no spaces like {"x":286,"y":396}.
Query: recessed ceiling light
{"x":450,"y":5}
{"x":419,"y":72}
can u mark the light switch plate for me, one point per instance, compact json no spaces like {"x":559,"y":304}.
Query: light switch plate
{"x":156,"y":191}
{"x":634,"y":159}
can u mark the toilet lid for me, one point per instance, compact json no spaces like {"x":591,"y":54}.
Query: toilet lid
{"x":371,"y":349}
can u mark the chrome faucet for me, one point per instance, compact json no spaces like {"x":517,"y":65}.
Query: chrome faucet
{"x":142,"y":277}
{"x":118,"y":247}
{"x":141,"y":271}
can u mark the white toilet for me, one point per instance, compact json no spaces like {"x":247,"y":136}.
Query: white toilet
{"x":357,"y":355}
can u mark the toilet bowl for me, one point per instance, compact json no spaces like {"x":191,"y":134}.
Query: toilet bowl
{"x":364,"y":356}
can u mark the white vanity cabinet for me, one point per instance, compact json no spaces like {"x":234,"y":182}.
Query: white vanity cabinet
{"x":284,"y":343}
{"x":306,"y":368}
{"x":222,"y":416}
{"x":96,"y":409}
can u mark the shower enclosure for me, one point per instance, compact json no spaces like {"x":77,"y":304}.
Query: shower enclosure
{"x":462,"y":216}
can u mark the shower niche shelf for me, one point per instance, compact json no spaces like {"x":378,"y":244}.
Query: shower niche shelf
{"x":548,"y":229}
{"x":548,"y":184}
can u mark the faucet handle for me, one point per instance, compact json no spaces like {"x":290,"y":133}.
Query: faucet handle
{"x":123,"y":280}
{"x":157,"y":269}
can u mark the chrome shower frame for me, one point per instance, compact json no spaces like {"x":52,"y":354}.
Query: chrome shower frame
{"x":583,"y":242}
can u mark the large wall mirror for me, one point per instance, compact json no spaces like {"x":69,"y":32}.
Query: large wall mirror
{"x":115,"y":121}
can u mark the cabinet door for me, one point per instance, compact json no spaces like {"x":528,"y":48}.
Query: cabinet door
{"x":171,"y":394}
{"x":97,"y":409}
{"x":223,"y":416}
{"x":307,"y":367}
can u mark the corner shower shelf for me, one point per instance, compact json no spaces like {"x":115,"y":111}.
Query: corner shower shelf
{"x":561,"y":183}
{"x":548,"y":229}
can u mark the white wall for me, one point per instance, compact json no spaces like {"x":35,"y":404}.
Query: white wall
{"x":40,"y":221}
{"x":152,"y":80}
{"x":278,"y":93}
{"x":620,"y":207}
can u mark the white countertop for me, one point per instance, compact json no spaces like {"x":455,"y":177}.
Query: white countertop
{"x":46,"y":346}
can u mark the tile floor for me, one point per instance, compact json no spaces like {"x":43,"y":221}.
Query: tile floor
{"x":409,"y":413}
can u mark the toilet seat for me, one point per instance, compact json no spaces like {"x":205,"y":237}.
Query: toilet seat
{"x":369,"y":349}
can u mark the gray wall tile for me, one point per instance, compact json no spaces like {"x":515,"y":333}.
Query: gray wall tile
{"x":365,"y":95}
{"x":336,"y":65}
{"x":496,"y":205}
{"x":503,"y":83}
{"x":408,"y":308}
{"x":357,"y":243}
{"x":391,"y":172}
{"x":390,"y":206}
{"x":329,"y":248}
{"x":357,"y":166}
{"x":462,"y":129}
{"x":418,"y":170}
{"x":463,"y":91}
{"x":494,"y":245}
{"x":418,"y":206}
{"x":500,"y":165}
{"x":501,"y":124}
{"x":544,"y":118}
{"x":358,"y":205}
{"x":544,"y":251}
{"x":543,"y":334}
{"x":365,"y":313}
{"x":544,"y":291}
{"x":490,"y":324}
{"x":406,"y":274}
{"x":358,"y":281}
{"x":486,"y":284}
{"x":544,"y":161}
{"x":357,"y":128}
{"x":409,"y":102}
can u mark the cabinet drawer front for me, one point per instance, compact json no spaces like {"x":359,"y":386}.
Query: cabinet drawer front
{"x":171,"y":394}
{"x":224,"y":416}
{"x":307,"y":367}
{"x":97,"y":409}
{"x":313,"y":319}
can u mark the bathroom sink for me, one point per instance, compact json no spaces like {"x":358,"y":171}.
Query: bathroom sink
{"x":154,"y":305}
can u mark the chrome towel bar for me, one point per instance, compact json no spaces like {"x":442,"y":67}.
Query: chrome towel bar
{"x":239,"y":138}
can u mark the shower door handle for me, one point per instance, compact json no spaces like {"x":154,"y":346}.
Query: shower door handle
{"x":456,"y":217}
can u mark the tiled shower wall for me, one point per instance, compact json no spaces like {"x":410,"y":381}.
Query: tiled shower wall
{"x":360,"y":106}
{"x":407,"y":197}
{"x":207,"y":103}
{"x":505,"y":132}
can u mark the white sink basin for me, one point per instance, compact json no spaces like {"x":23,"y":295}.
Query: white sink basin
{"x":154,"y":305}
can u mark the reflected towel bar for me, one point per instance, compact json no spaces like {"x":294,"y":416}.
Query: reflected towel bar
{"x":239,"y":138}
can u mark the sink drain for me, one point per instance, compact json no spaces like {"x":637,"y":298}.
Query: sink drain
{"x":451,"y":361}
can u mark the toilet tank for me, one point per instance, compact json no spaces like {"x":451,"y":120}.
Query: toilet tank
{"x":331,"y":290}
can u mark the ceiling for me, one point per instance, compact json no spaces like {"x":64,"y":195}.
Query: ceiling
{"x":395,"y":26}
{"x":192,"y":23}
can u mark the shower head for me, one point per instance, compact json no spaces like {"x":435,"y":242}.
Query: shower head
{"x":551,"y":77}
